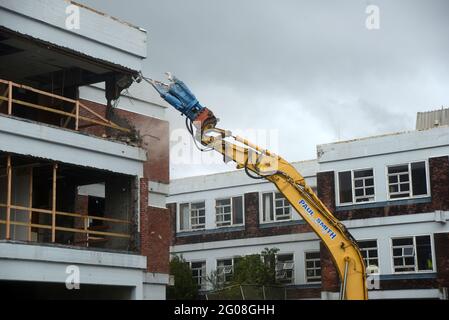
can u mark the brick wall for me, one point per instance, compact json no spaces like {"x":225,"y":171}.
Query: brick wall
{"x":439,"y":183}
{"x":439,"y":187}
{"x":303,"y":293}
{"x":441,"y":241}
{"x":155,"y":223}
{"x":329,"y":276}
{"x":171,"y":207}
{"x":439,"y":180}
{"x":251,"y":230}
{"x":439,"y":177}
{"x":155,"y":238}
{"x":252,"y":214}
{"x":326,"y":189}
{"x":155,"y":139}
{"x":405,"y":284}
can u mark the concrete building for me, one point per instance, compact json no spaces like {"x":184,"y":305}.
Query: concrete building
{"x":391,"y":191}
{"x":84,"y":167}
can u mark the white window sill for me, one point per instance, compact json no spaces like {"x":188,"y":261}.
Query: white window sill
{"x":410,"y":198}
{"x":230,"y":226}
{"x":278,"y":221}
{"x":414,"y":272}
{"x":191,"y":230}
{"x":347,"y":204}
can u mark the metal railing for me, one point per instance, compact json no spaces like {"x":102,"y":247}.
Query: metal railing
{"x":53,"y":212}
{"x":93,"y":117}
{"x":249,"y":292}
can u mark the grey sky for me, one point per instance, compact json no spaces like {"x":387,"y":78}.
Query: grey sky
{"x":310,"y":69}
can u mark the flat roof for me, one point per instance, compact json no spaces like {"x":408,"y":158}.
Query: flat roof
{"x":99,"y":36}
{"x":384,"y":144}
{"x":307,"y":168}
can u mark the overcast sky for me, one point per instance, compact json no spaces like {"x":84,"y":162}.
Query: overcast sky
{"x":309,"y":69}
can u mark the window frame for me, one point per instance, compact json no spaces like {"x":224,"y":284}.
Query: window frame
{"x":305,"y":267}
{"x":337,"y":187}
{"x":409,"y":165}
{"x":203,"y":286}
{"x":432,"y":249}
{"x":178,"y":223}
{"x":377,"y":248}
{"x":292,"y":279}
{"x":233,"y":267}
{"x":232,"y":211}
{"x":261,"y":215}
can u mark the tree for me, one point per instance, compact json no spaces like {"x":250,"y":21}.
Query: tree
{"x":214,"y":280}
{"x":185,"y":287}
{"x":256,"y":269}
{"x":253,"y":277}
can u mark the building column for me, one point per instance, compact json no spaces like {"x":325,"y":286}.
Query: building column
{"x":330,"y":282}
{"x":251,"y":212}
{"x":441,"y":241}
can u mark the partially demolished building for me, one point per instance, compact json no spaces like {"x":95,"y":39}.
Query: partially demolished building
{"x":83,"y":157}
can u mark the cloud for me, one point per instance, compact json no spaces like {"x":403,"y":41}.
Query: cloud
{"x":307,"y":68}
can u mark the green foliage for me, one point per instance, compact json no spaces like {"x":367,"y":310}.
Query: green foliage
{"x":256,"y":269}
{"x":185,"y":287}
{"x":213,"y":280}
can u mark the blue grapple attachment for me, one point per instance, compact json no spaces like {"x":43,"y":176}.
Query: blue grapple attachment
{"x":177,"y":94}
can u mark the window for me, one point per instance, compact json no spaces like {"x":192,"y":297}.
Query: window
{"x":313,"y":267}
{"x":229,"y":211}
{"x":192,"y":216}
{"x":364,"y":185}
{"x":225,"y":268}
{"x":356,"y":186}
{"x":199,"y":273}
{"x":345,"y":187}
{"x":285,"y":268}
{"x":275,"y":207}
{"x":412,"y":254}
{"x":407,"y":180}
{"x":368,"y":248}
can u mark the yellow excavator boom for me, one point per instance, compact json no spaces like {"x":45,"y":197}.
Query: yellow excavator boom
{"x":265,"y":164}
{"x":342,"y":246}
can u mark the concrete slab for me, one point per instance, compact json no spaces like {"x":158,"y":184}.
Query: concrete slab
{"x":385,"y":144}
{"x":99,"y":35}
{"x":43,"y":141}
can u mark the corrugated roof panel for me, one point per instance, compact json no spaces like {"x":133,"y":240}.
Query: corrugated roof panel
{"x":432,"y":119}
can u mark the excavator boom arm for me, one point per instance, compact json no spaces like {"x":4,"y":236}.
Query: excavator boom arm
{"x":262,"y":163}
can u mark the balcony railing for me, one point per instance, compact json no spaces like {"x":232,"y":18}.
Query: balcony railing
{"x":91,"y":234}
{"x":91,"y":118}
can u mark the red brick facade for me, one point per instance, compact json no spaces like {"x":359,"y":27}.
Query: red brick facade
{"x":303,"y":293}
{"x":154,"y":233}
{"x":329,"y":276}
{"x":439,"y":184}
{"x":441,"y":241}
{"x":439,"y":200}
{"x":252,"y":228}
